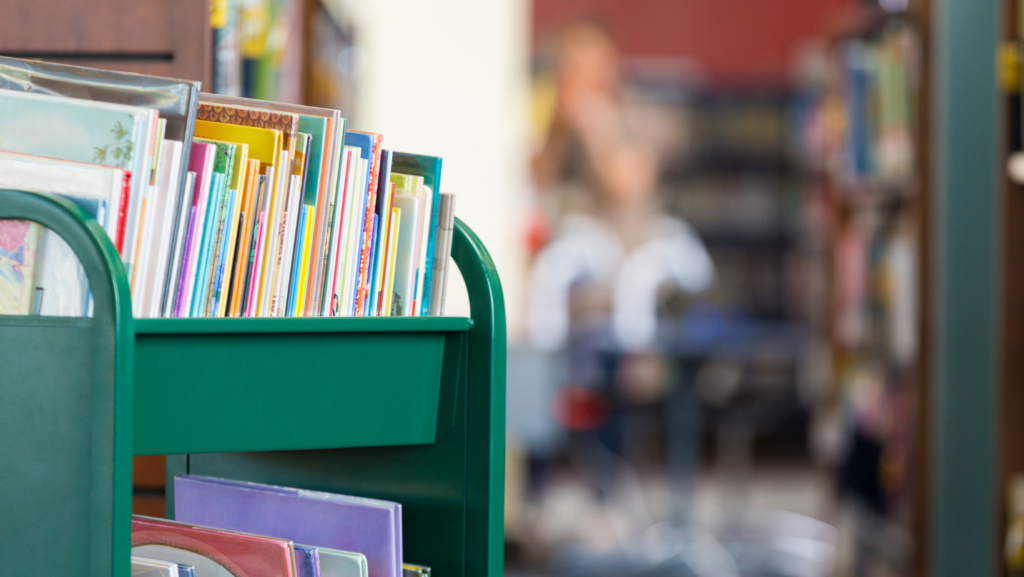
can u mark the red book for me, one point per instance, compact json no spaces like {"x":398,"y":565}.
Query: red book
{"x":126,"y":193}
{"x":213,"y":552}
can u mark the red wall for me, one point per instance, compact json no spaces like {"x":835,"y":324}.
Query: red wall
{"x":732,"y":41}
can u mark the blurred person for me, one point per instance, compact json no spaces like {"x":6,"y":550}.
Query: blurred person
{"x":598,"y":173}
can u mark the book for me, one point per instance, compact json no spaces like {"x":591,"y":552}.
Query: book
{"x":157,"y":234}
{"x":144,"y":567}
{"x":410,"y":570}
{"x":307,"y":561}
{"x":370,"y":151}
{"x":213,"y":552}
{"x":406,"y":251}
{"x":175,"y":100}
{"x":60,"y":285}
{"x":370,"y":527}
{"x":442,"y":252}
{"x":174,"y":262}
{"x":332,"y":164}
{"x":201,"y":163}
{"x":385,"y":192}
{"x":335,"y":563}
{"x":428,"y":167}
{"x":84,"y":131}
{"x":242,"y":248}
{"x":19,"y":246}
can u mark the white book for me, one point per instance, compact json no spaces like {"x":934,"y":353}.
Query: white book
{"x":355,"y":229}
{"x":274,"y":234}
{"x":422,"y":258}
{"x":203,"y":184}
{"x":406,"y":251}
{"x":171,"y":194}
{"x":61,"y":287}
{"x":285,"y":265}
{"x":158,"y":216}
{"x":331,"y":299}
{"x":145,"y":567}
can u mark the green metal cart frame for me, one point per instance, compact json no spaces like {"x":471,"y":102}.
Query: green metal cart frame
{"x":406,"y":409}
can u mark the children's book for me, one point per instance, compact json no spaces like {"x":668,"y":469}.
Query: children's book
{"x":441,"y":254}
{"x":429,"y":167}
{"x":174,"y":99}
{"x":201,"y":163}
{"x":19,"y":245}
{"x":406,"y":252}
{"x":144,"y":567}
{"x":213,"y":552}
{"x":181,"y":224}
{"x":84,"y":131}
{"x":370,"y":527}
{"x":307,"y":561}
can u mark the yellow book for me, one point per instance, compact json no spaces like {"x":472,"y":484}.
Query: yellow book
{"x":264,"y":144}
{"x":300,"y":295}
{"x":389,"y":282}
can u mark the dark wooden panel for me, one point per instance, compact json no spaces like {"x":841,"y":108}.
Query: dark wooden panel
{"x":162,"y":37}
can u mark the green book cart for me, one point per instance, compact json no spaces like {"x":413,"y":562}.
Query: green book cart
{"x":405,"y":409}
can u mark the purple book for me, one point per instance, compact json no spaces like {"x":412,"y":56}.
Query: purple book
{"x":368,"y":526}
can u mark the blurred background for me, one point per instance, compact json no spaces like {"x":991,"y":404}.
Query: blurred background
{"x":706,"y":216}
{"x":707,"y":219}
{"x":711,"y":219}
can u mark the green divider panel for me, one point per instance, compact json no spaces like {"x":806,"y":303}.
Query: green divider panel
{"x":66,"y":415}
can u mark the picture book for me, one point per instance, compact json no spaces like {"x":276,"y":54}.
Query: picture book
{"x":84,"y":131}
{"x":442,"y":254}
{"x":334,"y":563}
{"x":307,"y":561}
{"x":176,"y":255}
{"x":175,"y":100}
{"x":19,"y":246}
{"x":213,"y":552}
{"x":370,"y":527}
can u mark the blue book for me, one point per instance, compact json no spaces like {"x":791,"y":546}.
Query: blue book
{"x":371,"y":279}
{"x":307,"y":561}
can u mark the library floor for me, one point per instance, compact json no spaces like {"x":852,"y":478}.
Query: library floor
{"x":783,"y":511}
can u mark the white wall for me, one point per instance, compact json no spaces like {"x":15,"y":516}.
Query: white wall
{"x":450,"y":78}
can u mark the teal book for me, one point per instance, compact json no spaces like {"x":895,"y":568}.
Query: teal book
{"x":224,"y":163}
{"x":213,"y":211}
{"x":429,"y":167}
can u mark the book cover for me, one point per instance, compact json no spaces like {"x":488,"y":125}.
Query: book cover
{"x":213,"y":552}
{"x":158,"y":245}
{"x":429,"y":167}
{"x":335,"y":563}
{"x":84,"y":131}
{"x":370,"y":527}
{"x":174,"y":99}
{"x":19,"y":246}
{"x":144,"y":567}
{"x":253,"y":117}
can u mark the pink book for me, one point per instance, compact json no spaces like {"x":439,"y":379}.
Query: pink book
{"x":201,"y":163}
{"x":213,"y":551}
